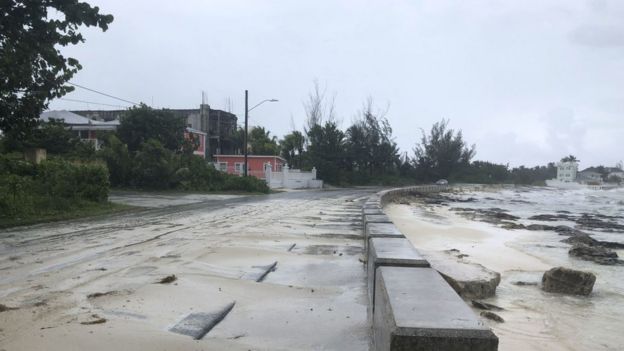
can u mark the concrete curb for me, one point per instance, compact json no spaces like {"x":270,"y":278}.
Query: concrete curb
{"x":411,"y":306}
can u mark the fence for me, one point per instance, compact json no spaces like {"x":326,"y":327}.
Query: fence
{"x":292,"y":178}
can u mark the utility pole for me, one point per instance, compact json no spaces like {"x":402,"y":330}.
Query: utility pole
{"x":247,"y":109}
{"x":245,"y":142}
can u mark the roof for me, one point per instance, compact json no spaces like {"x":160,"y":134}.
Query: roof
{"x":195,"y":131}
{"x":73,"y":119}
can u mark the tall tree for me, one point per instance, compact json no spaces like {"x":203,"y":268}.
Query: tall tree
{"x":262,"y":143}
{"x":142,"y":123}
{"x":32,"y":69}
{"x":319,"y":107}
{"x":370,"y":146}
{"x":292,"y":147}
{"x":326,"y":152}
{"x":442,"y":153}
{"x":570,"y":158}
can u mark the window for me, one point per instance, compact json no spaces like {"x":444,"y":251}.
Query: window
{"x":223,"y":166}
{"x":238,"y":167}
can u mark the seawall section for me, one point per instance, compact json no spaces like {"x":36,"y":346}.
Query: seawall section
{"x":411,"y":307}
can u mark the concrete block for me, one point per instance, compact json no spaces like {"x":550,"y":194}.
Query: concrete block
{"x":415,"y":309}
{"x":372,"y":211}
{"x":372,"y":204}
{"x":376,"y":218}
{"x":382,"y":230}
{"x":396,"y":252}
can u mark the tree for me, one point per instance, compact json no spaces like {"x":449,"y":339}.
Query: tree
{"x":118,"y":160}
{"x":142,"y":123}
{"x":570,"y":158}
{"x":441,"y":153}
{"x":262,"y":143}
{"x":153,"y":166}
{"x":32,"y":69}
{"x":370,"y":147}
{"x":292,"y":148}
{"x":319,"y":108}
{"x":326,"y":152}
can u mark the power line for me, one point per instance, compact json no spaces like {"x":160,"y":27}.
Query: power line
{"x":91,"y":102}
{"x":101,"y":93}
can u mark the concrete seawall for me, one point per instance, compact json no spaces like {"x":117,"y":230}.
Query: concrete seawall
{"x":411,"y":305}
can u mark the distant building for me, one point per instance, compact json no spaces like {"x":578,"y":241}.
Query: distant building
{"x":566,"y":171}
{"x":199,"y":137}
{"x":219,"y":126}
{"x":257,"y":164}
{"x":615,"y":172}
{"x":590,"y":175}
{"x":84,"y":128}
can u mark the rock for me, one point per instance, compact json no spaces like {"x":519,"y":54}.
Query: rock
{"x":565,"y":230}
{"x":485,"y":306}
{"x":568,"y":281}
{"x":512,"y":225}
{"x":540,"y":227}
{"x":493,"y":316}
{"x":589,"y":221}
{"x":598,"y":254}
{"x":548,"y":217}
{"x":581,"y":239}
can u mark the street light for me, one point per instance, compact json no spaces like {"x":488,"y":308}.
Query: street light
{"x":246,"y":118}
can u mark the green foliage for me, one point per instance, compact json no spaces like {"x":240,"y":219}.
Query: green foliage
{"x":32,"y":69}
{"x":369,"y":145}
{"x":532,"y":176}
{"x":143,"y":123}
{"x":482,"y":172}
{"x":570,"y":158}
{"x":326,"y":152}
{"x":117,"y":158}
{"x":247,"y":184}
{"x":54,"y":137}
{"x":153,"y":166}
{"x":292,"y":148}
{"x":614,"y":179}
{"x":442,"y":153}
{"x":28,"y":190}
{"x":262,"y":143}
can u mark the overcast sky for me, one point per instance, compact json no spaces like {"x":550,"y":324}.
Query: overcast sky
{"x":527,"y":81}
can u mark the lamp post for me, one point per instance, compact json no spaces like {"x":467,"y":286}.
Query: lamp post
{"x":247,"y":109}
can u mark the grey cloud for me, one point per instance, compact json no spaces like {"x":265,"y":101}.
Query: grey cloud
{"x":598,"y":36}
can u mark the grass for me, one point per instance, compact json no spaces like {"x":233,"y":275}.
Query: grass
{"x":80,"y":209}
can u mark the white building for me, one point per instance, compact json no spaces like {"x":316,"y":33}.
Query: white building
{"x":566,"y":171}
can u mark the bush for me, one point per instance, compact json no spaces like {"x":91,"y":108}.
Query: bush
{"x":153,"y":166}
{"x":248,"y":184}
{"x":117,"y":159}
{"x":54,"y":185}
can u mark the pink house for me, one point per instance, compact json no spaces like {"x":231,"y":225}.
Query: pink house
{"x":234,"y":164}
{"x":195,"y":134}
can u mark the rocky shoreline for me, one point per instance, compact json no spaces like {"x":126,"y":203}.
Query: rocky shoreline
{"x":584,"y":246}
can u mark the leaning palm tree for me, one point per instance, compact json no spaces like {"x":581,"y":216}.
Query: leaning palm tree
{"x":570,"y":158}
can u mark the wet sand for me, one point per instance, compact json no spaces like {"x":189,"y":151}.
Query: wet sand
{"x":314,"y":299}
{"x":534,"y":320}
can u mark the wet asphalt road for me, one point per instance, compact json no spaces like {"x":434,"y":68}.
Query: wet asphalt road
{"x":314,"y":298}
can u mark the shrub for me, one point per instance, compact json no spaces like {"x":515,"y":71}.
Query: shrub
{"x":118,"y":160}
{"x":153,"y":166}
{"x":249,"y":184}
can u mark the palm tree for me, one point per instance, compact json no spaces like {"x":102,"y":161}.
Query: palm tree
{"x":570,"y":158}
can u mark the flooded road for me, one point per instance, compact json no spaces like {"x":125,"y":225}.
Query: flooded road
{"x":288,"y":263}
